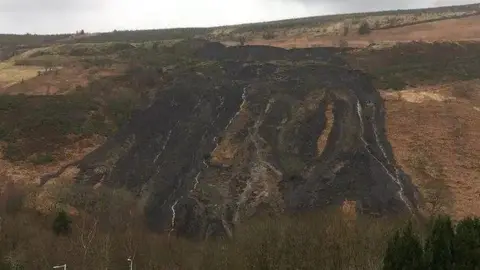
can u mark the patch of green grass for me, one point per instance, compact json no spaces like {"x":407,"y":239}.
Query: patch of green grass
{"x":11,"y":74}
{"x":44,"y":61}
{"x":41,"y":159}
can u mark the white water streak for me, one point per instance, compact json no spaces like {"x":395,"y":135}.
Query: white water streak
{"x":242,"y":200}
{"x":271,"y":167}
{"x":163,"y":146}
{"x":359,"y":113}
{"x":197,"y":177}
{"x":260,"y":168}
{"x":222,"y":102}
{"x":196,"y":180}
{"x":244,"y":101}
{"x":172,"y":223}
{"x":401,"y":192}
{"x":205,"y":163}
{"x":198,"y":104}
{"x":256,"y":137}
{"x":375,"y":131}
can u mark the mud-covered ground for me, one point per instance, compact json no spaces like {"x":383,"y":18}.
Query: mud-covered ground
{"x":237,"y":131}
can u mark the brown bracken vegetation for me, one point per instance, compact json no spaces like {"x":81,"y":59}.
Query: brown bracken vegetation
{"x":107,"y":229}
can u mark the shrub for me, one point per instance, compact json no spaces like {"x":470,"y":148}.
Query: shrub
{"x":364,"y":29}
{"x":43,"y":158}
{"x":439,"y":245}
{"x":268,"y":35}
{"x":242,"y":40}
{"x":404,"y":251}
{"x":467,"y":244}
{"x":62,"y":224}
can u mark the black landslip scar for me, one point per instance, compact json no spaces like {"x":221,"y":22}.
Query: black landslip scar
{"x":238,"y":132}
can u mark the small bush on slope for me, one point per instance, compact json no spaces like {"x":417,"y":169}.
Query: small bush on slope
{"x":62,"y":224}
{"x":364,"y":29}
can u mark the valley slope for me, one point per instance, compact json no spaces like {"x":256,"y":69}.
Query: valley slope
{"x":253,"y":129}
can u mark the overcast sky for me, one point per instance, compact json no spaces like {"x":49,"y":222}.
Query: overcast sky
{"x":66,"y":16}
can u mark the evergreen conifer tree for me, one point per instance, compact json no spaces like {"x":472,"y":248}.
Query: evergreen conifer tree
{"x":439,"y":245}
{"x":467,"y":244}
{"x":404,"y":251}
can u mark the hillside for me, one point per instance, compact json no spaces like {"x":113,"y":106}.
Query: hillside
{"x":458,"y":29}
{"x":236,"y":134}
{"x":149,"y":138}
{"x":319,"y":26}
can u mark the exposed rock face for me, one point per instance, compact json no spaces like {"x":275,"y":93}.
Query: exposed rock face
{"x":279,"y":130}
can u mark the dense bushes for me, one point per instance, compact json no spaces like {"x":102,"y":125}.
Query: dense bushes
{"x":106,"y":229}
{"x":446,"y":247}
{"x":113,"y":231}
{"x":467,"y":244}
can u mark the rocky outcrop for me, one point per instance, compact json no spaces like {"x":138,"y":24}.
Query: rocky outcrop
{"x":250,"y":129}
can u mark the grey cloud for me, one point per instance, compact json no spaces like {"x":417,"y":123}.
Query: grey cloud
{"x":47,"y":16}
{"x":54,"y":16}
{"x":453,"y":2}
{"x":48,"y":5}
{"x":348,"y":6}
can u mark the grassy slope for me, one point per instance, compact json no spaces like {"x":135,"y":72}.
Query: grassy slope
{"x":386,"y":19}
{"x":304,"y":242}
{"x":39,"y":125}
{"x":415,"y":64}
{"x":100,"y":107}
